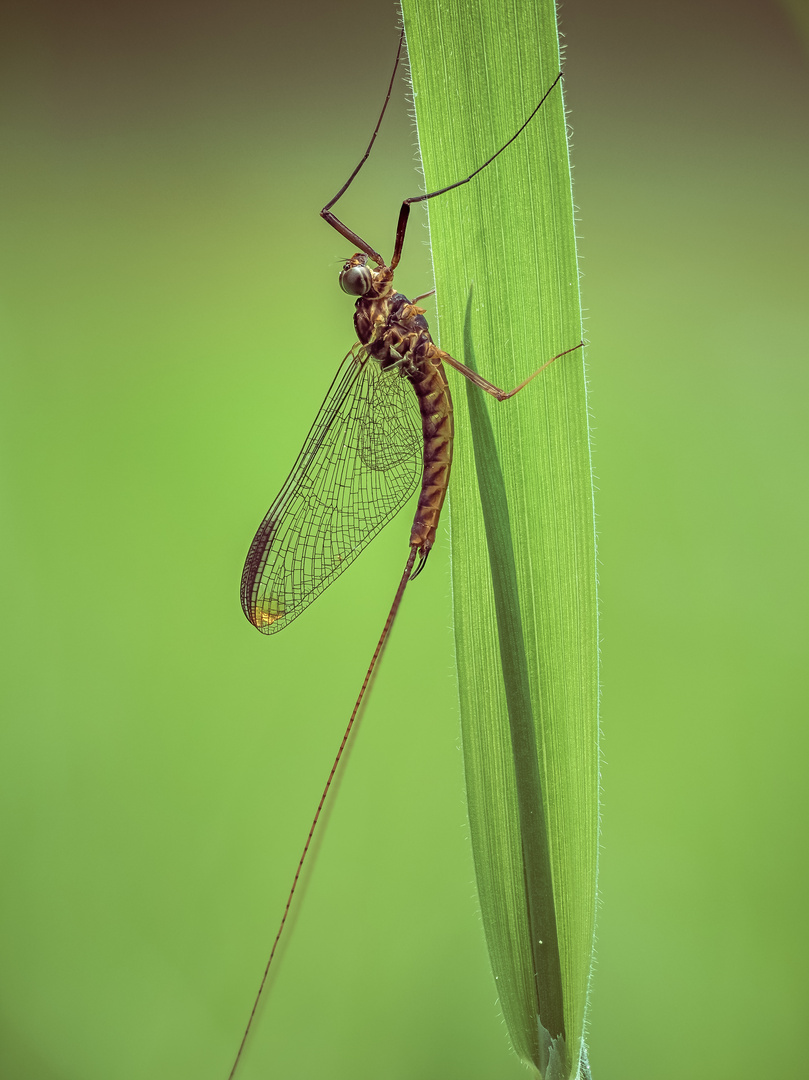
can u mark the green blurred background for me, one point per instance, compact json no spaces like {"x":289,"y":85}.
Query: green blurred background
{"x":169,"y":321}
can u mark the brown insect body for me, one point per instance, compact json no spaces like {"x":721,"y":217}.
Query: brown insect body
{"x":396,"y":334}
{"x":352,"y":473}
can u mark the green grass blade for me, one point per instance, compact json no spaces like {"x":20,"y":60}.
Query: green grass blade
{"x":477,"y":73}
{"x":536,"y":859}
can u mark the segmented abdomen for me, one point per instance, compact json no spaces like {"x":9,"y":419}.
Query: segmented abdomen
{"x":435,"y":404}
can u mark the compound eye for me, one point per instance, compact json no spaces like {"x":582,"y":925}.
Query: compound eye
{"x":355,"y":280}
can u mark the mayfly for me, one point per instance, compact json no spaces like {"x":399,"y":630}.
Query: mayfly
{"x":384,"y":429}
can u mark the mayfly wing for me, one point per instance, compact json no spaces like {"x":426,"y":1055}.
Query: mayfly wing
{"x":360,"y":463}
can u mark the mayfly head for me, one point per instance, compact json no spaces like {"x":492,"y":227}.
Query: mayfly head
{"x":356,"y":277}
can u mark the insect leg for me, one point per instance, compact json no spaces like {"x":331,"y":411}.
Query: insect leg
{"x":326,"y":213}
{"x":404,"y":213}
{"x":490,"y":388}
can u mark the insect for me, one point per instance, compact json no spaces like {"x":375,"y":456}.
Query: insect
{"x":384,"y":429}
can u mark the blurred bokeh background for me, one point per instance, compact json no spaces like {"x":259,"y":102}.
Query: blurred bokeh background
{"x":169,"y":321}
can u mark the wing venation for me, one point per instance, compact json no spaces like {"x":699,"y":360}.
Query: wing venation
{"x":360,"y":463}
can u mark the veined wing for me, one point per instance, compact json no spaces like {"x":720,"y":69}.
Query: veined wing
{"x":360,"y":463}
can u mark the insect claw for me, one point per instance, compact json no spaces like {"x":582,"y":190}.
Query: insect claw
{"x":422,"y":560}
